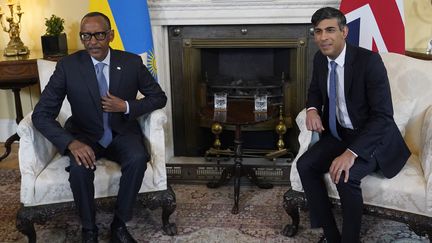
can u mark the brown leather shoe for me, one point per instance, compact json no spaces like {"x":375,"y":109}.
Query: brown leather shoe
{"x":121,"y":235}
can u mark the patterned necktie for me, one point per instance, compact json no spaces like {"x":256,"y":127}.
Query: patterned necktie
{"x":103,"y":89}
{"x":332,"y":101}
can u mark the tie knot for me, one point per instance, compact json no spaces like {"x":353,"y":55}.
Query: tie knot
{"x":333,"y":64}
{"x":100,"y":66}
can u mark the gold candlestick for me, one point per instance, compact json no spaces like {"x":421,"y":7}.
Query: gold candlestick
{"x":15,"y":46}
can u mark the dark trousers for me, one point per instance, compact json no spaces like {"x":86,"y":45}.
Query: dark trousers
{"x":130,"y":153}
{"x":312,"y":166}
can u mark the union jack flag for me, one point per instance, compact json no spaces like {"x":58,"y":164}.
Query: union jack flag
{"x":377,"y":25}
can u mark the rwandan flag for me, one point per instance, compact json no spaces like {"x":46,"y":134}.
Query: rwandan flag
{"x":130,"y":21}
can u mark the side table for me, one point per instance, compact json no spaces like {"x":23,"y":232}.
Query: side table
{"x":419,"y":54}
{"x":16,"y":73}
{"x":239,"y":113}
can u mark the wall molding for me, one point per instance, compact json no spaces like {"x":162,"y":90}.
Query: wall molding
{"x":192,"y":12}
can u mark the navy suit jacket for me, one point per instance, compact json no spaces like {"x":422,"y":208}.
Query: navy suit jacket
{"x":369,"y":105}
{"x":75,"y":79}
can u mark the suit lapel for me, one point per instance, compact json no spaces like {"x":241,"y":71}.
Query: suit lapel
{"x":349,"y":69}
{"x":115,"y":72}
{"x":323,"y":76}
{"x":89,"y":76}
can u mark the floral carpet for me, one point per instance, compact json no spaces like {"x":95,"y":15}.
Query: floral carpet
{"x":202,"y":215}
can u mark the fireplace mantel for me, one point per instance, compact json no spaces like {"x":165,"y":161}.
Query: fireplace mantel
{"x":164,"y":13}
{"x":193,"y":12}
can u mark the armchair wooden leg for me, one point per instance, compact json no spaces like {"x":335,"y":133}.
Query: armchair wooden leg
{"x":28,"y":216}
{"x":26,"y":225}
{"x":165,"y":199}
{"x":168,"y":207}
{"x":421,"y":227}
{"x":291,"y":204}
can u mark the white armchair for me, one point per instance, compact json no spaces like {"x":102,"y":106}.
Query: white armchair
{"x":45,"y":189}
{"x":406,"y":197}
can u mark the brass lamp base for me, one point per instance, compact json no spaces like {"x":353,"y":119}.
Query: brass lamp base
{"x":16,"y":51}
{"x":16,"y":48}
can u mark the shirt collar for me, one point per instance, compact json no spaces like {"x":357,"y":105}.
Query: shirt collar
{"x":106,"y":60}
{"x":340,"y":60}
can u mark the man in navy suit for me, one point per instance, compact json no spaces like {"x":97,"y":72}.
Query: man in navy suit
{"x":101,"y":85}
{"x":349,"y":104}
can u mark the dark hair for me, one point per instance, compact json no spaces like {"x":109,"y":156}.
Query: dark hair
{"x":329,"y":13}
{"x":95,"y":14}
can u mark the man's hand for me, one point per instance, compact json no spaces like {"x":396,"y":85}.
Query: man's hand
{"x":111,"y":103}
{"x":313,"y":121}
{"x":340,"y":164}
{"x":84,"y":154}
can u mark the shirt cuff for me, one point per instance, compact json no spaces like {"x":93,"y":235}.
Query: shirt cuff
{"x":127,"y":107}
{"x":353,"y":153}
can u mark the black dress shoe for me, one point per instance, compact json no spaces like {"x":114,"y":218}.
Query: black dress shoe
{"x":121,"y":235}
{"x":89,"y":236}
{"x":322,"y":239}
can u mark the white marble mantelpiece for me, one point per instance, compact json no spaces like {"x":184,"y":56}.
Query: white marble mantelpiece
{"x":191,"y":12}
{"x":164,"y":13}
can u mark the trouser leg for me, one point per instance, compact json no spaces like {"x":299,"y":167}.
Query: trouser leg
{"x":81,"y":183}
{"x":351,"y":197}
{"x":130,"y":153}
{"x":312,"y":166}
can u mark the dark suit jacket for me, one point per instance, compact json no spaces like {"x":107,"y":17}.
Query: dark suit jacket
{"x":369,"y":105}
{"x":75,"y":78}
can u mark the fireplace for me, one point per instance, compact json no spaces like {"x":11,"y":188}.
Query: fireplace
{"x":241,"y":60}
{"x":171,"y":20}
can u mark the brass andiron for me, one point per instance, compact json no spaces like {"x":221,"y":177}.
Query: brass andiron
{"x":15,"y":46}
{"x":281,"y":129}
{"x":216,"y":129}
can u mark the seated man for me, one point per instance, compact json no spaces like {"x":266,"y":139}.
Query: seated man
{"x":349,"y":103}
{"x":101,"y":85}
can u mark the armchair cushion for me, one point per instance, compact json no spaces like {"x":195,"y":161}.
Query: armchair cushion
{"x":403,"y":108}
{"x":45,"y":181}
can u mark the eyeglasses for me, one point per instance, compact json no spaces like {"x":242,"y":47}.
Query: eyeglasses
{"x":100,"y":36}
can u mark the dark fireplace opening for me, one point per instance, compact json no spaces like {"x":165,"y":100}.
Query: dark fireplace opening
{"x":244,"y":72}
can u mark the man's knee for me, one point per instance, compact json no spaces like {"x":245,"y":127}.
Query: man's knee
{"x":352,"y":185}
{"x":303,"y":166}
{"x":79,"y":173}
{"x":137,"y":161}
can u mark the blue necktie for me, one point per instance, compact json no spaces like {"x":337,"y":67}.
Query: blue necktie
{"x":332,"y":101}
{"x":103,"y":89}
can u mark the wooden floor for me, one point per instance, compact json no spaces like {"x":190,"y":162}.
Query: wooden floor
{"x":10,"y":162}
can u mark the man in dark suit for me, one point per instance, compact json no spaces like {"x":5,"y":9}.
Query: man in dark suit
{"x":349,"y":103}
{"x":101,"y":85}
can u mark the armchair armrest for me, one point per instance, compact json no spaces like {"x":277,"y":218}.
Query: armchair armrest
{"x":34,"y":154}
{"x":426,"y":155}
{"x":152,"y":126}
{"x":306,"y":139}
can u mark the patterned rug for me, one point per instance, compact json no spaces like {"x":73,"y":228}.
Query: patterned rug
{"x":202,"y":215}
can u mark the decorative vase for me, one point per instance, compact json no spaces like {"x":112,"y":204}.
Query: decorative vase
{"x":54,"y":46}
